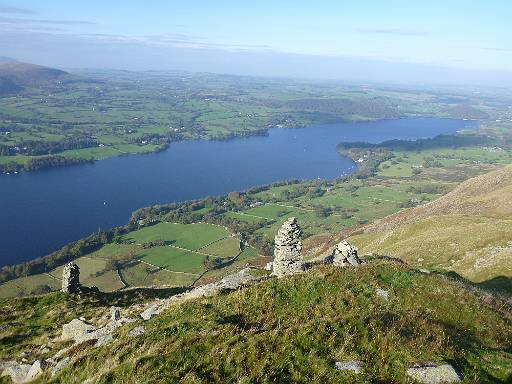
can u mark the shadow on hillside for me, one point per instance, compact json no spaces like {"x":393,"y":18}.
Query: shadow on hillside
{"x":463,"y":340}
{"x":500,"y":284}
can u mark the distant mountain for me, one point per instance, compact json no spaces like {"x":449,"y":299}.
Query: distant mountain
{"x":15,"y":75}
{"x":5,"y":58}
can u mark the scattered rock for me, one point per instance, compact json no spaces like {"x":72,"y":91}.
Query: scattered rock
{"x":287,"y":250}
{"x":350,"y":365}
{"x":382,"y":293}
{"x":60,"y":365}
{"x":150,"y":311}
{"x":75,"y":329}
{"x":104,"y":340}
{"x":137,"y":331}
{"x":344,"y":255}
{"x":433,"y":374}
{"x":425,"y":271}
{"x":16,"y":371}
{"x":35,"y":370}
{"x":229,"y":283}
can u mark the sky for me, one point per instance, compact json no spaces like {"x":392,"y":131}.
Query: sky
{"x":423,"y":41}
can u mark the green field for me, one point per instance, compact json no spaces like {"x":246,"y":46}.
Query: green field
{"x":175,"y":265}
{"x":228,"y":247}
{"x":192,"y":236}
{"x":174,"y":259}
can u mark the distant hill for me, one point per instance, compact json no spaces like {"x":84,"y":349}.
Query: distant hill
{"x":15,"y":75}
{"x":469,"y":230}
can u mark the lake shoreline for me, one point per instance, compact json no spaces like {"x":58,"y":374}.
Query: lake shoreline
{"x":104,"y":194}
{"x":78,"y":161}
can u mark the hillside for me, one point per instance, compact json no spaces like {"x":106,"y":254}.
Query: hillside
{"x":469,"y":230}
{"x":15,"y":75}
{"x":293,"y":329}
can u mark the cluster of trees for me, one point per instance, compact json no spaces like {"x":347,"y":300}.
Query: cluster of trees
{"x":38,"y":148}
{"x":153,"y":244}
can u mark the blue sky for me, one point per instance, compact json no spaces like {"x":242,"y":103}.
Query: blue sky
{"x":389,"y":39}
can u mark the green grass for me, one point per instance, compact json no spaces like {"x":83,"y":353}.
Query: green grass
{"x":174,"y":259}
{"x":228,"y":247}
{"x":189,"y":236}
{"x":28,"y":285}
{"x":294,"y":329}
{"x":138,"y":274}
{"x":476,"y":247}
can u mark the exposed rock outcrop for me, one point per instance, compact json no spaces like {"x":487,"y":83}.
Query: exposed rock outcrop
{"x":434,"y":374}
{"x":75,"y":329}
{"x":344,"y":255}
{"x":351,"y":365}
{"x":21,"y":373}
{"x":228,"y":283}
{"x":71,"y":278}
{"x":287,"y":252}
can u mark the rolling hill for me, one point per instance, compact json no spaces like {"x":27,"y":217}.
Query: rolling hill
{"x":469,"y":230}
{"x":15,"y":75}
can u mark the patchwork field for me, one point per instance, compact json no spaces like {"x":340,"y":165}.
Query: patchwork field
{"x":115,"y":266}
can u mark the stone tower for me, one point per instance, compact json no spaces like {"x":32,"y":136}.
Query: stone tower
{"x":71,"y":278}
{"x":287,"y":251}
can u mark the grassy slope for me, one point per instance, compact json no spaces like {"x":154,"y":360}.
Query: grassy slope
{"x":469,"y":230}
{"x":293,"y":329}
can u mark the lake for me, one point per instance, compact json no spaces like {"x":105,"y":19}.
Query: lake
{"x":44,"y":210}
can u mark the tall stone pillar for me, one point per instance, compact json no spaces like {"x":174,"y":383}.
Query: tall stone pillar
{"x":287,"y":252}
{"x":71,"y":278}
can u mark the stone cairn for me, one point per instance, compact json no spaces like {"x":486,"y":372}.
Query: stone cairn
{"x":344,"y":255}
{"x":71,"y":278}
{"x":287,"y":251}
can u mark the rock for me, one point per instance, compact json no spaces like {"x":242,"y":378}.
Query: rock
{"x":152,"y":310}
{"x":350,"y":365}
{"x":34,"y":371}
{"x":137,"y":331}
{"x":230,"y":282}
{"x":433,"y":374}
{"x":382,"y":293}
{"x":71,"y":278}
{"x":60,"y":365}
{"x":287,"y":250}
{"x":344,"y":255}
{"x":104,"y":340}
{"x":115,"y":314}
{"x":16,"y":371}
{"x":61,"y":353}
{"x":75,"y":329}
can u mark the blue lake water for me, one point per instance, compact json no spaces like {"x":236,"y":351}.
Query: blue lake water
{"x":44,"y":210}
